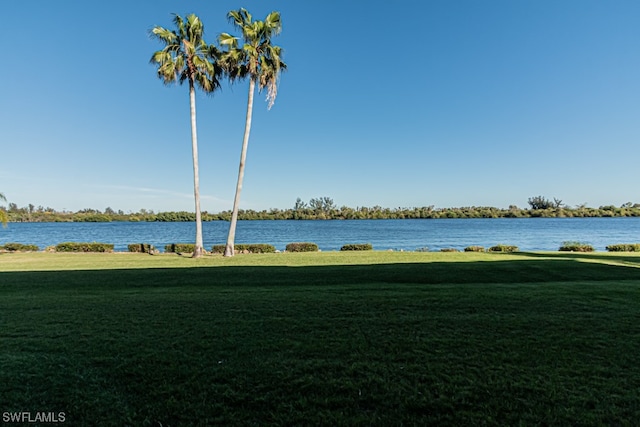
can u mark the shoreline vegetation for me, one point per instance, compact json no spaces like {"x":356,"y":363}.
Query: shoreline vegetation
{"x":265,"y":248}
{"x":325,"y":209}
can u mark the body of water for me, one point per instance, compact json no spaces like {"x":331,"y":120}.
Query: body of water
{"x":529,"y":234}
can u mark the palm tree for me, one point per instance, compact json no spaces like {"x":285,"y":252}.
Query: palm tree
{"x":186,"y":57}
{"x":260,"y":61}
{"x":4,"y":217}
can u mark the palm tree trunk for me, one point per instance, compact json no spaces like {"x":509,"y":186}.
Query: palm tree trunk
{"x":229,"y":249}
{"x":198,"y":250}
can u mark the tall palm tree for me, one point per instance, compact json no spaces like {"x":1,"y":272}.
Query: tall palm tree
{"x":4,"y":217}
{"x":260,"y":61}
{"x":187,"y":58}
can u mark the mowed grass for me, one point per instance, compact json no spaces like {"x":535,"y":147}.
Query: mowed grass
{"x":371,"y":338}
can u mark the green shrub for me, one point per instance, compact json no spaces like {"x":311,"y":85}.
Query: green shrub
{"x":181,"y":216}
{"x":624,"y":247}
{"x":302,"y":247}
{"x":503,"y":248}
{"x":357,"y":247}
{"x":256,"y":248}
{"x":15,"y":247}
{"x":93,"y":218}
{"x":144,"y":248}
{"x":252,"y":248}
{"x":84,"y":247}
{"x":576,"y":247}
{"x":474,"y":249}
{"x":180,"y":248}
{"x":449,"y":250}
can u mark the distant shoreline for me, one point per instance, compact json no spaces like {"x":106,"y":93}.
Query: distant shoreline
{"x":343,"y":213}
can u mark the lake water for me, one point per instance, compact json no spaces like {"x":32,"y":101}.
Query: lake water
{"x":529,"y":234}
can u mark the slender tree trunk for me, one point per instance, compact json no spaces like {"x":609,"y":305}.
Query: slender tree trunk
{"x":229,"y":249}
{"x":198,"y":250}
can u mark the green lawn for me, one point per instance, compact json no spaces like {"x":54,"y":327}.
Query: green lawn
{"x":373,"y":338}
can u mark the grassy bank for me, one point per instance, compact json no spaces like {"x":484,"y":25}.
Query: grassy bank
{"x":322,"y":339}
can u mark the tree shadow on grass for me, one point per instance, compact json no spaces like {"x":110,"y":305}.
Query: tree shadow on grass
{"x":540,"y":268}
{"x":176,"y":345}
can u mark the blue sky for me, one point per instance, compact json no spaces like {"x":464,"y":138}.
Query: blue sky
{"x":403,"y":103}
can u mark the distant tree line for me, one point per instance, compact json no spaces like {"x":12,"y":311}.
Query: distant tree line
{"x":325,"y":208}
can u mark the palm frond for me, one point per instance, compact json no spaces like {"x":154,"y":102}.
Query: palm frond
{"x":213,"y":52}
{"x":252,"y":32}
{"x":250,"y":51}
{"x":160,"y":57}
{"x":228,"y":41}
{"x":194,"y":23}
{"x":164,"y":35}
{"x":179,"y":23}
{"x":186,"y":56}
{"x":195,"y":29}
{"x":240,"y":18}
{"x":203,"y":65}
{"x":166,"y":66}
{"x":258,"y":58}
{"x":273,"y":22}
{"x":234,"y":64}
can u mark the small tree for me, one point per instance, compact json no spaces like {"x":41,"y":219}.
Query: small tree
{"x":4,"y":217}
{"x":539,"y":202}
{"x":300,"y":205}
{"x":322,"y":204}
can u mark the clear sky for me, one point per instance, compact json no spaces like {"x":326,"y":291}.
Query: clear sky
{"x":394,"y":103}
